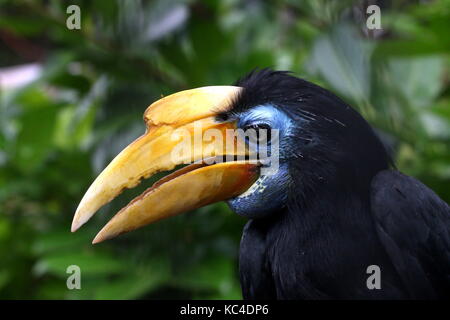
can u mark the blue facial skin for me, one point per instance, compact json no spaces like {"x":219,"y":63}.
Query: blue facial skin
{"x":269,"y":191}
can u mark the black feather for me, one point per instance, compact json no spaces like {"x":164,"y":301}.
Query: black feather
{"x":413,"y":224}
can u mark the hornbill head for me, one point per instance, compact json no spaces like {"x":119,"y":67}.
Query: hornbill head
{"x":267,"y":142}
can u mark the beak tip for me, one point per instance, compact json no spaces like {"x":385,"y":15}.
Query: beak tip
{"x":99,"y":238}
{"x":76,"y":224}
{"x":79,"y":219}
{"x":74,"y":227}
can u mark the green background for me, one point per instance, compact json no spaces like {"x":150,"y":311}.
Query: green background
{"x":58,"y":132}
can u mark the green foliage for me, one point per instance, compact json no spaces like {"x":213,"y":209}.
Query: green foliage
{"x":58,"y":132}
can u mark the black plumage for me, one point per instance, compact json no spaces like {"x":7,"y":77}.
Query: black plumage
{"x":346,"y":208}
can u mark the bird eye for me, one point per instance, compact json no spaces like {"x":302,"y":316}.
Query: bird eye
{"x":258,"y":132}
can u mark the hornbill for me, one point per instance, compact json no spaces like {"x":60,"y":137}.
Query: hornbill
{"x":334,"y":206}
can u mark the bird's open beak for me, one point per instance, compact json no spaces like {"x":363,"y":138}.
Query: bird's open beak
{"x":181,"y":128}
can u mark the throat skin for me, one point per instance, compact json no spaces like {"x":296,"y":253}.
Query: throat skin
{"x":320,"y":250}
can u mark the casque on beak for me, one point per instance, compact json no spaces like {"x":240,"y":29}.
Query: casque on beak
{"x":178,"y":132}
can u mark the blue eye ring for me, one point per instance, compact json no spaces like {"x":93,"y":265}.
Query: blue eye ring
{"x":257,"y":126}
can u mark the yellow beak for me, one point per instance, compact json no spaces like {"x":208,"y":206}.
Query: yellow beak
{"x":181,"y":129}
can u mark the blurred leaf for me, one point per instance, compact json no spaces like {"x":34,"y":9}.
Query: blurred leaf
{"x":133,"y":284}
{"x":90,"y":263}
{"x":213,"y":273}
{"x":59,"y":241}
{"x":37,"y":124}
{"x":420,"y":79}
{"x":343,"y":60}
{"x":66,"y":80}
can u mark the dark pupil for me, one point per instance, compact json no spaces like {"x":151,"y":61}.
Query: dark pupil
{"x":263,"y":132}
